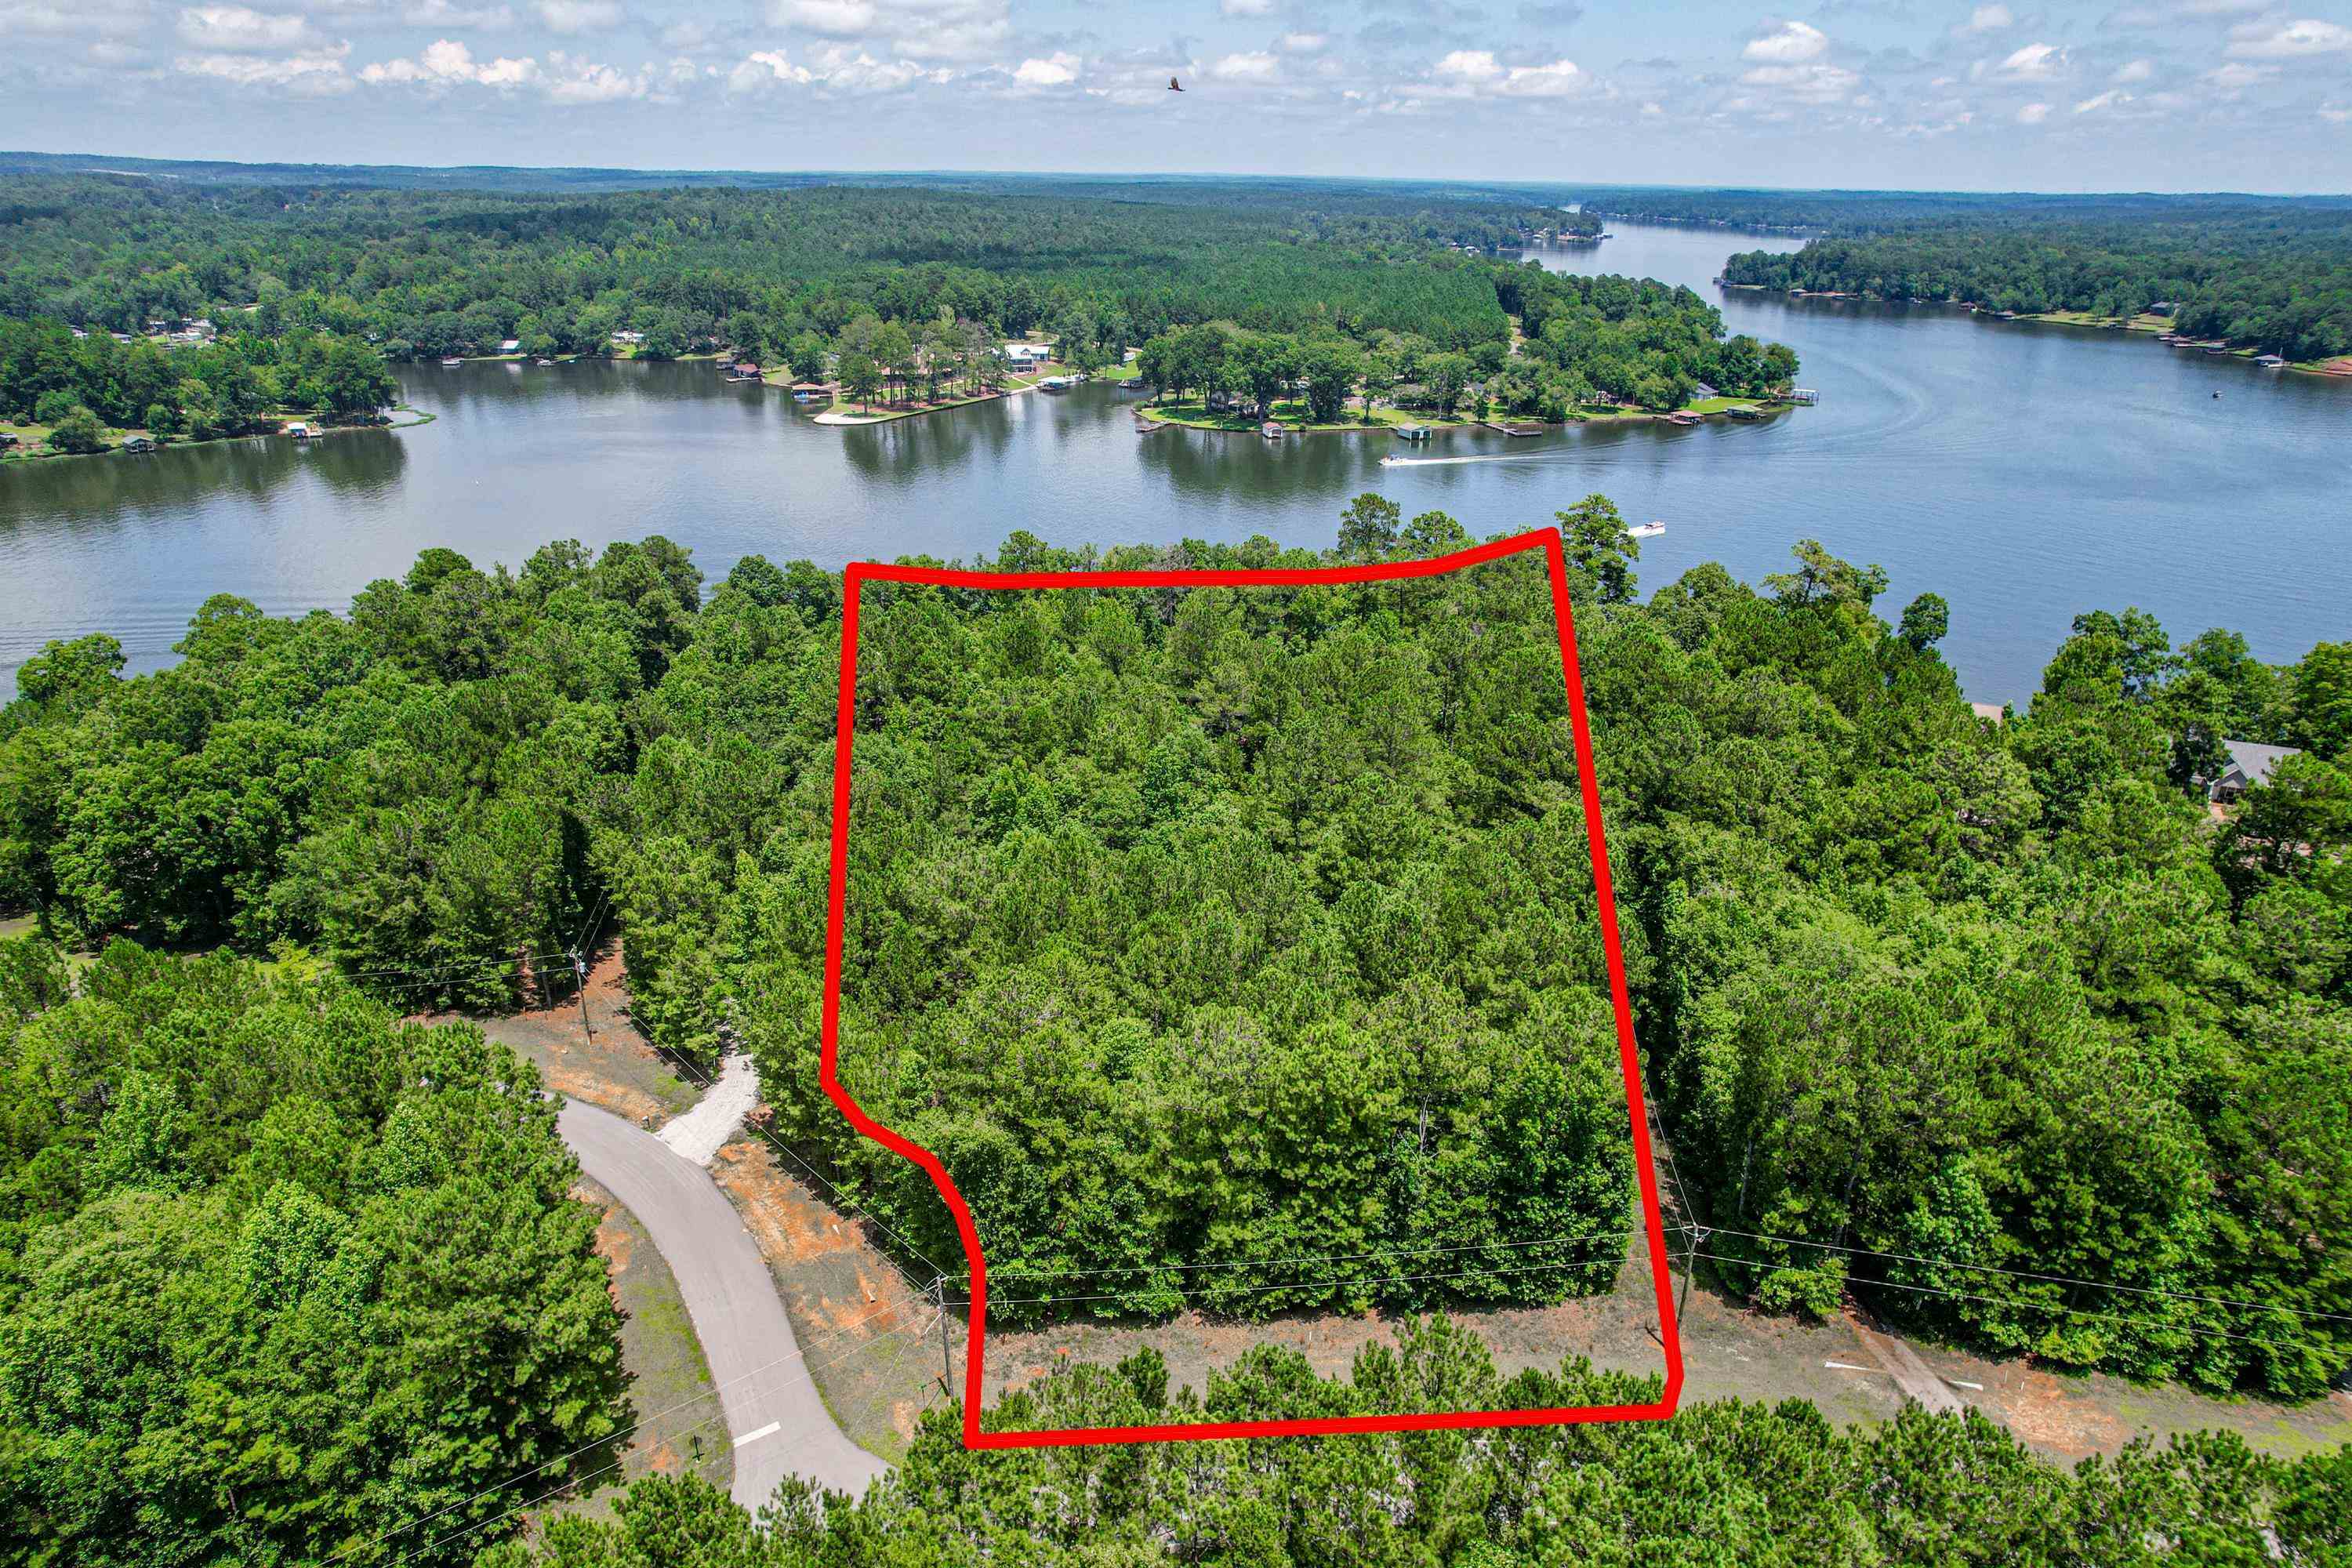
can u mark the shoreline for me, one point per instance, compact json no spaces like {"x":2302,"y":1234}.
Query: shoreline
{"x":2144,"y":324}
{"x":39,"y":451}
{"x":1708,"y":408}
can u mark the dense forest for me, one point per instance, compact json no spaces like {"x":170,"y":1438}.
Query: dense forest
{"x":1849,"y":212}
{"x":276,"y":1269}
{"x":432,"y":273}
{"x":1586,"y":341}
{"x":1261,"y":289}
{"x":1991,"y":1026}
{"x":1771,"y":1487}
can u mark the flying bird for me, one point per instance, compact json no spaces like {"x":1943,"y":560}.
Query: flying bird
{"x":1174,"y":86}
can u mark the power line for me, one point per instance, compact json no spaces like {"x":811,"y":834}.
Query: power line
{"x":1319,"y":1284}
{"x":1323,"y":1257}
{"x":829,"y":1186}
{"x":2029,"y":1274}
{"x":607,"y":1469}
{"x":2037,"y":1306}
{"x":800,"y":1353}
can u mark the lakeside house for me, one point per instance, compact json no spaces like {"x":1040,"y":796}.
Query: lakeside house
{"x":1028,"y":353}
{"x":1704,"y":390}
{"x":628,"y":338}
{"x":2250,"y":763}
{"x":510,"y":345}
{"x":300,"y":430}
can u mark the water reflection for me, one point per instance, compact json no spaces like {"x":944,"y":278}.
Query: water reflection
{"x":2026,"y":473}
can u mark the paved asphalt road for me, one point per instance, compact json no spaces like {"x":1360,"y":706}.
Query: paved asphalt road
{"x":771,"y":1404}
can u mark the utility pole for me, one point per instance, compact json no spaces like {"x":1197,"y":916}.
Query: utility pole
{"x":579,"y":973}
{"x":1697,"y":1239}
{"x":947,"y":1363}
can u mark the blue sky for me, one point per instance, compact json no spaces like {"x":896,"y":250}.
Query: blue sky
{"x":2137,"y":94}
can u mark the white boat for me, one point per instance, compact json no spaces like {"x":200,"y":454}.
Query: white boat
{"x":1647,"y":530}
{"x":453,"y":360}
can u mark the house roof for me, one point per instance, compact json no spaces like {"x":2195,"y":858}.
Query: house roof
{"x":2255,"y":761}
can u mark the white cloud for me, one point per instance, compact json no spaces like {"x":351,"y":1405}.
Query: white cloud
{"x":2236,"y":77}
{"x":766,"y":67}
{"x":312,"y":74}
{"x":1246,"y":7}
{"x":580,"y":15}
{"x":1255,"y":64}
{"x":835,"y":18}
{"x":1304,"y":43}
{"x":1057,"y":69}
{"x":241,"y":27}
{"x":1556,"y":80}
{"x":1987,"y":19}
{"x":2114,"y":98}
{"x":570,"y":80}
{"x":2134,"y":71}
{"x":445,"y":62}
{"x":1787,"y":44}
{"x":1471,"y":66}
{"x":833,"y":68}
{"x":443,"y":14}
{"x":1807,"y":84}
{"x":2033,"y":114}
{"x":2335,"y":114}
{"x":2288,"y":40}
{"x":1652,"y":112}
{"x":2035,"y":62}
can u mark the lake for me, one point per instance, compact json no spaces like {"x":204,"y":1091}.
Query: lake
{"x":2026,"y":473}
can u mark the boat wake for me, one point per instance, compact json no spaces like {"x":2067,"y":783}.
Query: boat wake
{"x":1480,"y":457}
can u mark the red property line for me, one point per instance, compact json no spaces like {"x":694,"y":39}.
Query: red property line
{"x":1546,"y":539}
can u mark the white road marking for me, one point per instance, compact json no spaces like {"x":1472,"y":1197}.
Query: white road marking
{"x":770,"y":1430}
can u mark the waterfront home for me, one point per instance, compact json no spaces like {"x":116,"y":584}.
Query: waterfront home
{"x":2270,"y":362}
{"x":2250,"y":765}
{"x":1028,"y":353}
{"x":628,"y":338}
{"x":300,"y":430}
{"x":1412,"y":431}
{"x":138,"y":444}
{"x":1704,"y":390}
{"x":510,"y":345}
{"x":745,"y":367}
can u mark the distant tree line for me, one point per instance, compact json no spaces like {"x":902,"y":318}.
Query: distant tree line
{"x":425,"y":274}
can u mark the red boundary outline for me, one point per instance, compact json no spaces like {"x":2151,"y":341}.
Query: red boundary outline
{"x":1548,"y":540}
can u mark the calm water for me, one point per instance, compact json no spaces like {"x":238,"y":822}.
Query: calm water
{"x":2025,"y":473}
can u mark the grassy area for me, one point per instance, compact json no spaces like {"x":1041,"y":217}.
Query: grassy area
{"x":684,"y":1426}
{"x":2142,"y":323}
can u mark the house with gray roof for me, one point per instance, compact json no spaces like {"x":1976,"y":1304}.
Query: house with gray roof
{"x":2250,"y":765}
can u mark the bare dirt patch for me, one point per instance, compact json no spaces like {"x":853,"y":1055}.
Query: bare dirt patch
{"x":868,"y":1336}
{"x":610,"y":1064}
